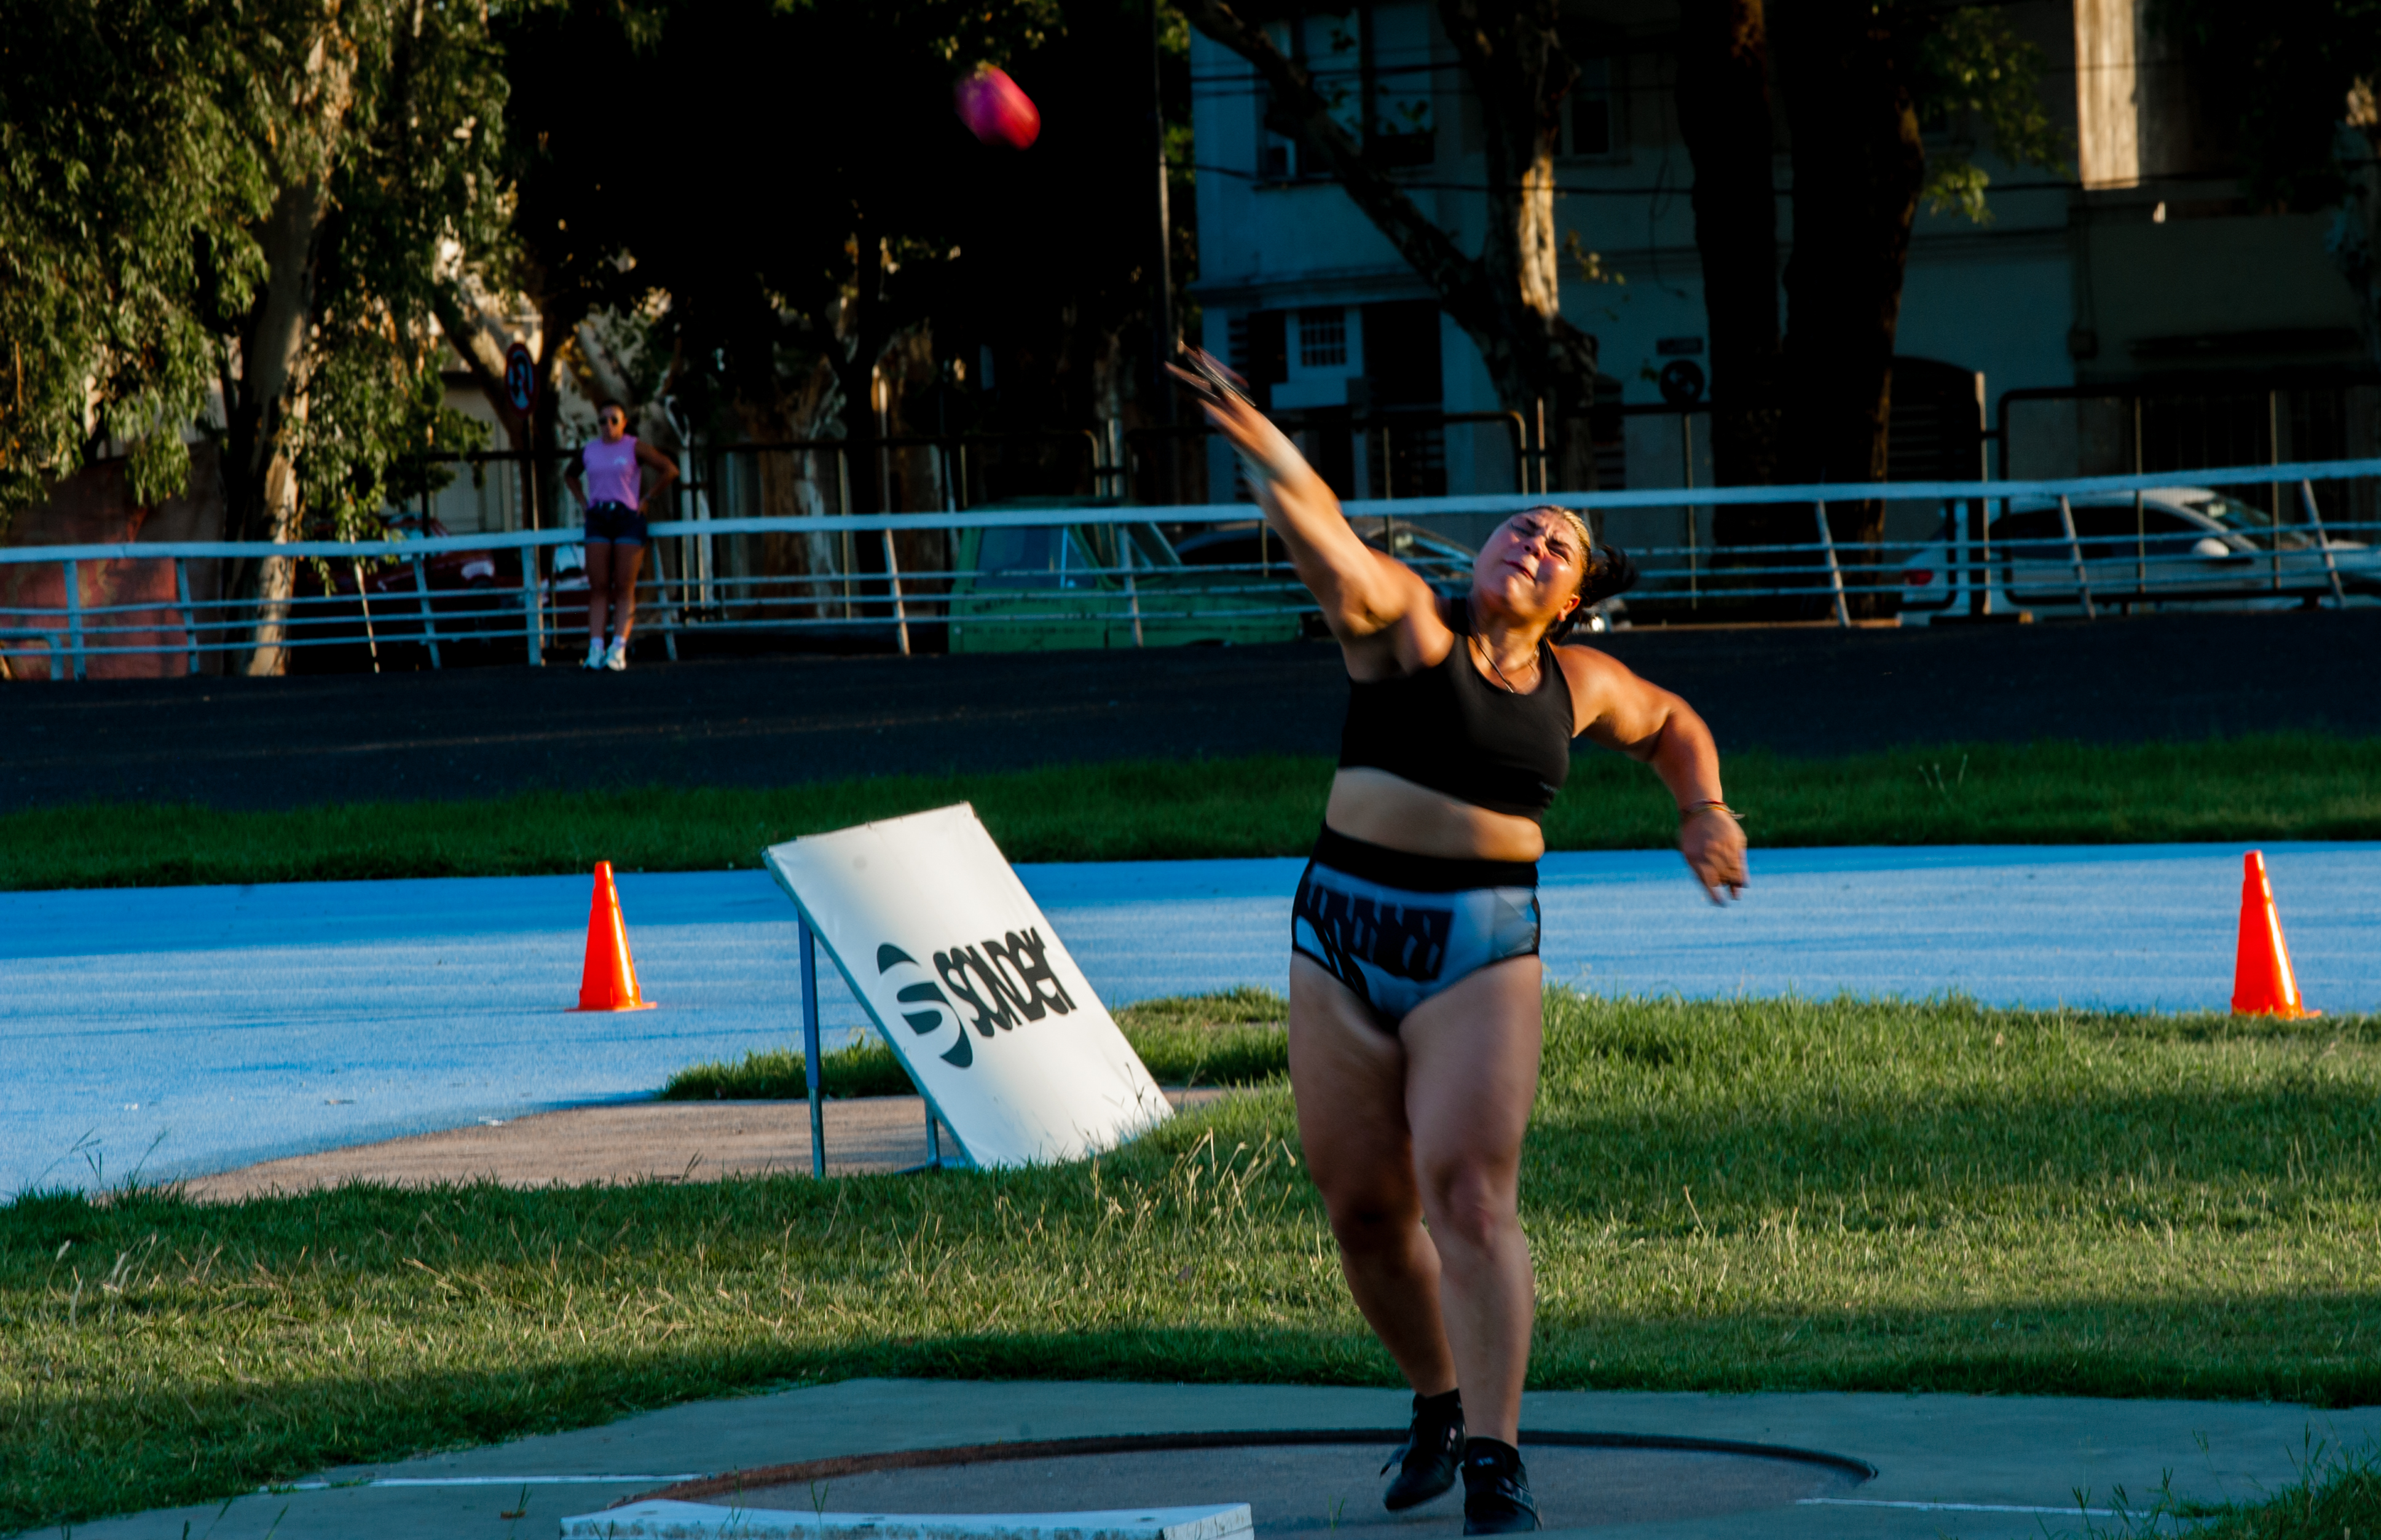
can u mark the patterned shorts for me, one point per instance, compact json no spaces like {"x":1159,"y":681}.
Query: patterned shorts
{"x":1397,"y":928}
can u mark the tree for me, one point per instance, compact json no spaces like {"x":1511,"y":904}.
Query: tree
{"x":754,"y":267}
{"x":1724,"y":117}
{"x":1057,"y":279}
{"x":125,"y":172}
{"x":1507,"y":299}
{"x":2293,"y":86}
{"x":1855,"y":79}
{"x":247,"y":203}
{"x":1850,"y":69}
{"x":566,"y":252}
{"x":382,"y":155}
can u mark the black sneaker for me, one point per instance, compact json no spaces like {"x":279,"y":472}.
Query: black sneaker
{"x":1497,"y":1490}
{"x":1426,"y":1462}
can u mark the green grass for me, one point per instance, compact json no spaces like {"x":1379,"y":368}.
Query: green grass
{"x":1727,"y":1195}
{"x":2297,"y":786}
{"x":2336,"y":1496}
{"x":1233,"y":1038}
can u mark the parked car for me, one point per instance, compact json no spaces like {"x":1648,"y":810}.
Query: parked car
{"x":2187,"y":546}
{"x":465,"y":592}
{"x":1446,"y":565}
{"x":1064,"y":585}
{"x":1033,"y":587}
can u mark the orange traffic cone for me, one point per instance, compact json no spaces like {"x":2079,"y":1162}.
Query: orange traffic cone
{"x":2262,"y":983}
{"x":609,"y":981}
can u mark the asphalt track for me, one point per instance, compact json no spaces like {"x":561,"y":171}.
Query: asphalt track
{"x":778,"y":720}
{"x":185,"y":1031}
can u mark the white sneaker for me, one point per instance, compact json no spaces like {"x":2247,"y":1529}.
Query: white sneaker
{"x":617,"y":657}
{"x":595,"y":654}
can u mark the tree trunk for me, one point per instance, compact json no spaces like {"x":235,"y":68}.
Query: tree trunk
{"x":2355,"y":236}
{"x":856,"y":377}
{"x":1724,"y":114}
{"x":481,"y":335}
{"x":1858,"y":168}
{"x":1540,"y":362}
{"x":261,"y":480}
{"x":1508,"y":299}
{"x":872,"y":321}
{"x":557,"y":319}
{"x":265,"y":407}
{"x":471,"y":325}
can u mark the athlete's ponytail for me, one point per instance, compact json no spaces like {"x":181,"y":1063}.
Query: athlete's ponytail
{"x":1609,"y":570}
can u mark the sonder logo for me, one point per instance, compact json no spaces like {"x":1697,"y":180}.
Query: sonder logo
{"x":1000,"y":982}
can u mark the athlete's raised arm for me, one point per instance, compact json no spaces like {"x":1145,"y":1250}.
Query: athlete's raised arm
{"x":1362,"y":592}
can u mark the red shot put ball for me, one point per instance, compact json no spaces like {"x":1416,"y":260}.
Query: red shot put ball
{"x":995,"y":111}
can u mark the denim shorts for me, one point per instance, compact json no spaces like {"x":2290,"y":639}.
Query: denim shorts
{"x":616,"y":521}
{"x":1397,"y":928}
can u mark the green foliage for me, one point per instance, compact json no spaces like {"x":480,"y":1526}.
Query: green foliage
{"x":1233,"y":1038}
{"x":2278,"y":78}
{"x":142,"y":146}
{"x":860,"y":235}
{"x":131,"y":168}
{"x":1975,"y":70}
{"x":2336,"y":1496}
{"x":417,"y":168}
{"x":2283,"y":787}
{"x":1727,"y":1195}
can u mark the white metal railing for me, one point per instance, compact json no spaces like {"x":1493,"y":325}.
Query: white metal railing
{"x":530,"y":608}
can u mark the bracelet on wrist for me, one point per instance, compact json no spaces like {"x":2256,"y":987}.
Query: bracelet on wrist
{"x":1709,"y":804}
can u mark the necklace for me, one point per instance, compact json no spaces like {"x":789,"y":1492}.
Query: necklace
{"x":1493,"y":668}
{"x":1472,"y":635}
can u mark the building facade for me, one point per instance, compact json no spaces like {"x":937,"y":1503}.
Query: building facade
{"x":2129,"y":308}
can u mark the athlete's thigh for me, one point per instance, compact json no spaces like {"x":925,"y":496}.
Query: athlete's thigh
{"x":1349,"y":1080}
{"x":628,"y":558}
{"x":599,"y":565}
{"x":1471,"y":1072}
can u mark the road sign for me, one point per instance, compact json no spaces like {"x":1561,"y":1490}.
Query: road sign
{"x":520,"y":377}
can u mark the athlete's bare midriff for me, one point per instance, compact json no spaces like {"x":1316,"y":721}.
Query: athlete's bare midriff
{"x":1381,"y":809}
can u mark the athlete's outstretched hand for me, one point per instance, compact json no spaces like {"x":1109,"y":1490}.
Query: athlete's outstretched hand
{"x":1263,"y":448}
{"x":1714,"y":846}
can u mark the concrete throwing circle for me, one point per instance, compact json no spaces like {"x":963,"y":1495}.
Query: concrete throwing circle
{"x":1293,"y":1481}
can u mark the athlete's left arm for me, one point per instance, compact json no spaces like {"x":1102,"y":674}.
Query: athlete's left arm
{"x":1613,"y":707}
{"x":648,"y":455}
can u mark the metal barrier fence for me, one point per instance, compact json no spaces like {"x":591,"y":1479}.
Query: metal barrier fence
{"x":1124,"y":575}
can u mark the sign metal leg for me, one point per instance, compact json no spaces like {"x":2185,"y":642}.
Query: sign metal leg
{"x":811,"y":1047}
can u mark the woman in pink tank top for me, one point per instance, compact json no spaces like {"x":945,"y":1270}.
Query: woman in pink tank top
{"x":607,"y":477}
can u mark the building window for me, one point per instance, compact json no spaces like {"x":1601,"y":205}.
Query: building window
{"x":1331,"y":47}
{"x":1592,"y":125}
{"x":1373,"y":68}
{"x":1402,"y":127}
{"x":1323,"y":338}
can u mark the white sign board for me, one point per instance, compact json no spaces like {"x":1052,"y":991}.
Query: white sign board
{"x":972,"y":987}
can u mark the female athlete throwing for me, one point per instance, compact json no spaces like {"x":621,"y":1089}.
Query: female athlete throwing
{"x":1414,"y":988}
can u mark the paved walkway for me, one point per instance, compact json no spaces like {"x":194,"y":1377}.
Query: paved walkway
{"x":635,"y":1141}
{"x":202,"y":1029}
{"x":1981,"y":1468}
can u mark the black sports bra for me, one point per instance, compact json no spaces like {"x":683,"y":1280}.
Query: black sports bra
{"x":1451,"y":730}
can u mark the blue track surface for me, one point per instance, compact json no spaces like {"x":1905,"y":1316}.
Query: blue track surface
{"x":199,"y":1029}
